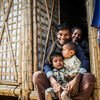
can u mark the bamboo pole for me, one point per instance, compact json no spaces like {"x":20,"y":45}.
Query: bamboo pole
{"x":14,"y":83}
{"x":47,"y":9}
{"x":94,"y":49}
{"x":20,"y":58}
{"x":59,"y":11}
{"x":12,"y":56}
{"x":41,"y":33}
{"x":30,"y":35}
{"x":48,"y":33}
{"x":24,"y":49}
{"x":35,"y":35}
{"x":52,"y":35}
{"x":10,"y":90}
{"x":27,"y":49}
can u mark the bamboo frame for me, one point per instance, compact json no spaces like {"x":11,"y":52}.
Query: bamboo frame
{"x":30,"y":35}
{"x":95,"y":51}
{"x":33,"y":95}
{"x":12,"y":56}
{"x":35,"y":35}
{"x":49,"y":27}
{"x":5,"y":19}
{"x":10,"y":90}
{"x":13,"y":60}
{"x":27,"y":49}
{"x":41,"y":52}
{"x":25,"y":46}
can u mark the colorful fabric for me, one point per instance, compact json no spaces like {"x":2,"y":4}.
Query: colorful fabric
{"x":72,"y":65}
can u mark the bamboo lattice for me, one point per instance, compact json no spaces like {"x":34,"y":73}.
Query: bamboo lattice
{"x":10,"y":40}
{"x":26,"y":26}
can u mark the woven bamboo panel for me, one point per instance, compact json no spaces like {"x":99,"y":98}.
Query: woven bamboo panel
{"x":42,"y":22}
{"x":10,"y":40}
{"x":19,"y":19}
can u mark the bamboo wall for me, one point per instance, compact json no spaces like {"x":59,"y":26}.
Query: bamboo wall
{"x":10,"y":30}
{"x":45,"y":16}
{"x":94,"y":49}
{"x":26,"y":26}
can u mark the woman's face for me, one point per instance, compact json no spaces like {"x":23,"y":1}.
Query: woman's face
{"x":76,"y":35}
{"x":63,"y":35}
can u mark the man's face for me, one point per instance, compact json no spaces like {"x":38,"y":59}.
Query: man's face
{"x":63,"y":35}
{"x":76,"y":35}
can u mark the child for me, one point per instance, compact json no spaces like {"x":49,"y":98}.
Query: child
{"x":64,"y":71}
{"x":72,"y":64}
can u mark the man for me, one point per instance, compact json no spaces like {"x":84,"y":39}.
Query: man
{"x":83,"y":83}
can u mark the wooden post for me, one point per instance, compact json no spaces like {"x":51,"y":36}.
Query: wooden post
{"x":27,"y":43}
{"x":35,"y":35}
{"x":94,"y":49}
{"x":30,"y":43}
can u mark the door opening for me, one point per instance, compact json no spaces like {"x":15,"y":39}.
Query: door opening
{"x":74,"y":13}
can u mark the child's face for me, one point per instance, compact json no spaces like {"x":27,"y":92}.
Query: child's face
{"x":66,"y":52}
{"x":58,"y":62}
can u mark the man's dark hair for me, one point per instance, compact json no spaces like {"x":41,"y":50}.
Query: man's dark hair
{"x":71,"y":45}
{"x":64,"y":26}
{"x":56,"y":55}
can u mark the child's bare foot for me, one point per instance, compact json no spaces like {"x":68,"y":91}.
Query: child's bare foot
{"x":65,"y":95}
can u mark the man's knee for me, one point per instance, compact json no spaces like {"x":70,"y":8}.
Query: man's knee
{"x":89,"y":77}
{"x":36,"y":76}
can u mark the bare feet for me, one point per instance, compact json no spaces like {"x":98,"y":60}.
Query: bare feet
{"x":65,"y":95}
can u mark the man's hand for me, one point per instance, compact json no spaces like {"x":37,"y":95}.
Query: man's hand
{"x":56,"y":86}
{"x":73,"y":86}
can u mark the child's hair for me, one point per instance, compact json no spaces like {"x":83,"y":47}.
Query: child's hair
{"x":71,"y":45}
{"x":56,"y":55}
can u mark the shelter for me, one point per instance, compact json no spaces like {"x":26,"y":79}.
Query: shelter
{"x":26,"y":29}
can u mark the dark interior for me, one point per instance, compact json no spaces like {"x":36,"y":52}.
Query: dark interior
{"x":74,"y":13}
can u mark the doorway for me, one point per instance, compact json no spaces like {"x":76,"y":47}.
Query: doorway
{"x":74,"y":13}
